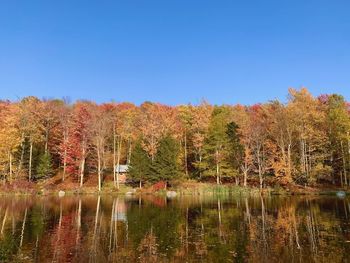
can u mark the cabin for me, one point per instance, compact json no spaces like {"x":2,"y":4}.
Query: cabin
{"x":122,"y":169}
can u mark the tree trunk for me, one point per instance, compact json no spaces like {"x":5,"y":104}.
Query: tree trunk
{"x":10,"y":163}
{"x":247,"y":210}
{"x":30,"y":161}
{"x":344,"y":163}
{"x":103,"y":159}
{"x":23,"y":226}
{"x":309,"y":166}
{"x":96,"y":219}
{"x":289,"y":162}
{"x":341,"y":178}
{"x":263,"y":218}
{"x":82,"y":168}
{"x":78,"y":222}
{"x":65,"y":140}
{"x":237,"y":180}
{"x":302,"y":156}
{"x":79,"y":215}
{"x":99,"y":168}
{"x":46,"y":140}
{"x":217,"y":174}
{"x":185,"y":152}
{"x":245,"y":176}
{"x":217,"y":168}
{"x":305,"y":159}
{"x":140,"y":184}
{"x":260,"y":177}
{"x":118,"y":158}
{"x":64,"y":164}
{"x":22,"y":153}
{"x":114,"y":158}
{"x":219,"y":218}
{"x":129,"y":151}
{"x":200,"y":166}
{"x":111,"y":232}
{"x":260,"y":167}
{"x":3,"y":222}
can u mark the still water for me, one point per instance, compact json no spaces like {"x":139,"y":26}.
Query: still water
{"x":184,"y":229}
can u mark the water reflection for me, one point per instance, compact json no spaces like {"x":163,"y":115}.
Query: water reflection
{"x":185,"y":229}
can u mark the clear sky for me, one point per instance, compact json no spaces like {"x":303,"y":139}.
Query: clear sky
{"x":173,"y":51}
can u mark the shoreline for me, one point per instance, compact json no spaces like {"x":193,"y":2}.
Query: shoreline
{"x":182,"y":189}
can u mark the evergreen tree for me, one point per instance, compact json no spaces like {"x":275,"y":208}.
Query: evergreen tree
{"x":44,"y":167}
{"x":235,"y":148}
{"x":165,"y":166}
{"x":140,"y":165}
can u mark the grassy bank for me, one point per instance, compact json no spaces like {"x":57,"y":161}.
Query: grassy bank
{"x":184,"y":188}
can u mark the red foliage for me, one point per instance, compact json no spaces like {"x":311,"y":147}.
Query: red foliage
{"x":159,"y":186}
{"x":78,"y":138}
{"x":158,"y":201}
{"x":255,"y":107}
{"x":64,"y":237}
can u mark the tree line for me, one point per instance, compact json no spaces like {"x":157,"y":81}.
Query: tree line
{"x":304,"y":141}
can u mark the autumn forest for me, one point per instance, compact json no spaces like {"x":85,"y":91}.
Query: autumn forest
{"x":304,"y":141}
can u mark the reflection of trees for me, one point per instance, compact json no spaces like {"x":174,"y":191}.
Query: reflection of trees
{"x":13,"y":218}
{"x":63,"y":238}
{"x":163,"y":221}
{"x":211,"y":238}
{"x":296,"y":230}
{"x":204,"y":229}
{"x":148,"y":248}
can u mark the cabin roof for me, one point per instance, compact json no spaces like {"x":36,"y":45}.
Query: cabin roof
{"x":122,"y":168}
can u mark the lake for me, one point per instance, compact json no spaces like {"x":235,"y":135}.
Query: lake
{"x":184,"y":229}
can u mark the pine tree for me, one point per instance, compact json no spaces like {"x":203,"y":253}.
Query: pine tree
{"x":165,"y":166}
{"x":44,"y":167}
{"x":235,"y":148}
{"x":140,"y":165}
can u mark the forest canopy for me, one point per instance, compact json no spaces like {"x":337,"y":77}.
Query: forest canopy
{"x":303,"y":141}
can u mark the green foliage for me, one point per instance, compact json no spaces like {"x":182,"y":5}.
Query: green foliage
{"x":140,"y":165}
{"x":44,"y":168}
{"x":8,"y":247}
{"x":218,"y":145}
{"x":162,"y":222}
{"x":338,"y":126}
{"x":338,"y":117}
{"x":165,"y":166}
{"x":235,"y":148}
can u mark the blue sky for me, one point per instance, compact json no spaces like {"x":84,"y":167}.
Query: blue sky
{"x":174,"y":51}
